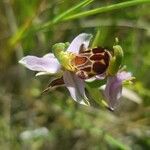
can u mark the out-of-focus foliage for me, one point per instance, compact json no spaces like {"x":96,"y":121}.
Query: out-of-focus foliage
{"x":54,"y":121}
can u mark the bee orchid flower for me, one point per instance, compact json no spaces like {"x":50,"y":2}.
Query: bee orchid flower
{"x":116,"y":77}
{"x":113,"y":89}
{"x":75,"y":61}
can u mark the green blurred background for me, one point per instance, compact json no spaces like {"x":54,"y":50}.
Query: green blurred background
{"x":54,"y":121}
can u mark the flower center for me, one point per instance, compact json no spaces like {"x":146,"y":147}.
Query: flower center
{"x":66,"y":62}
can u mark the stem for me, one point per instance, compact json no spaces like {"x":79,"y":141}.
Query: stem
{"x":106,"y":9}
{"x":71,"y":10}
{"x":68,"y":12}
{"x":96,"y":39}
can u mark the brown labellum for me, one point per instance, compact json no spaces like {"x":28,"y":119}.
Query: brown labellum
{"x":91,"y":62}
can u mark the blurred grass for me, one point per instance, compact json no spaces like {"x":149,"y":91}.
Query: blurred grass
{"x":71,"y":126}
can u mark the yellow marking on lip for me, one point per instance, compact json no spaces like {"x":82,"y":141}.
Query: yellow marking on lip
{"x":102,"y":61}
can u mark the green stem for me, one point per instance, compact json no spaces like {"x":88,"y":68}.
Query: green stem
{"x":96,"y":39}
{"x":71,"y":10}
{"x":106,"y":9}
{"x":68,"y":12}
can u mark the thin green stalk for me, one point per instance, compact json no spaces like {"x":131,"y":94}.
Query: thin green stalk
{"x":71,"y":10}
{"x":66,"y":13}
{"x":100,"y":37}
{"x":106,"y":9}
{"x":96,"y":39}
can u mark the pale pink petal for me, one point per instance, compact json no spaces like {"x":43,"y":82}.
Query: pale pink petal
{"x":113,"y":90}
{"x":82,"y":38}
{"x":124,"y":75}
{"x":76,"y":87}
{"x":47,"y":63}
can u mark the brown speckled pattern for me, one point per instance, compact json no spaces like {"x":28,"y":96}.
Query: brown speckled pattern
{"x":91,"y":62}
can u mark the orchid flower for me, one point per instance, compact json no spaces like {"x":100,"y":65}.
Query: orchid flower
{"x":115,"y":79}
{"x":113,"y":89}
{"x":75,"y":62}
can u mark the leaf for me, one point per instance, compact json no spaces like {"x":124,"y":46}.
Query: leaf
{"x":68,"y":12}
{"x":106,"y":9}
